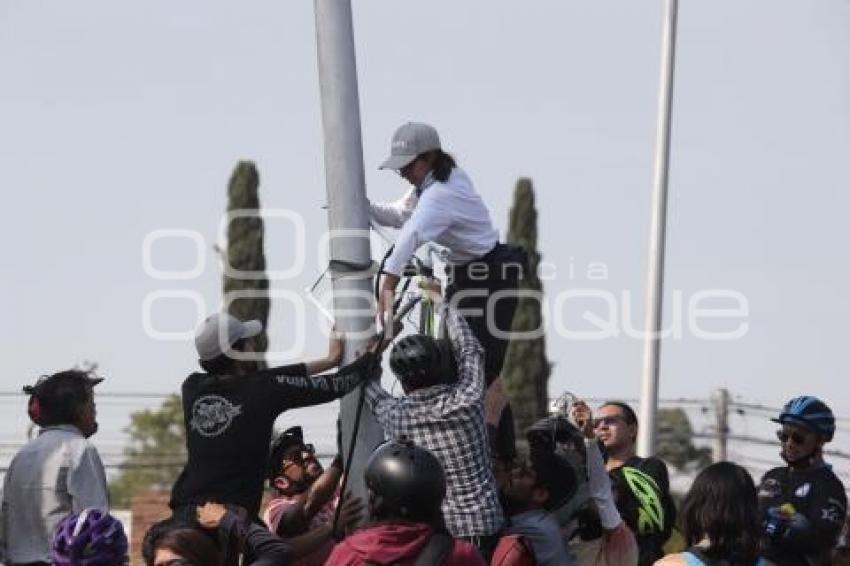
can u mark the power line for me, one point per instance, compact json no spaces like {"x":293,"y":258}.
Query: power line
{"x":668,"y":401}
{"x":106,"y":395}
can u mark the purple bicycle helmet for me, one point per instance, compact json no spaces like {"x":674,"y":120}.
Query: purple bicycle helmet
{"x":90,"y":538}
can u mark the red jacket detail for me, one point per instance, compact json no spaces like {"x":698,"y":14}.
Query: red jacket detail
{"x":396,"y":543}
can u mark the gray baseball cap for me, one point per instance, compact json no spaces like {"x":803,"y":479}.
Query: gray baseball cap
{"x":220,"y":331}
{"x":410,"y":140}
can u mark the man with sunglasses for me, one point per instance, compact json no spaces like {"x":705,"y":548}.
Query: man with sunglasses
{"x":641,"y":486}
{"x":803,"y":504}
{"x":306,"y":496}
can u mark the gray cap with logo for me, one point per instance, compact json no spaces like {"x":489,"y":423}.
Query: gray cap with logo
{"x":220,"y":331}
{"x":410,"y":140}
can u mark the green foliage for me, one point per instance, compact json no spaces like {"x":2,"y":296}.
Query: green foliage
{"x":526,"y":369}
{"x":675,"y":441}
{"x":155,"y":453}
{"x":245,"y":250}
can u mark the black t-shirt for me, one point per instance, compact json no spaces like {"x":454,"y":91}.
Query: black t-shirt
{"x":229,"y":423}
{"x":819,"y":496}
{"x":642,"y":494}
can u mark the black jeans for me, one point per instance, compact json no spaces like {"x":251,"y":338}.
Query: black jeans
{"x":484,"y":291}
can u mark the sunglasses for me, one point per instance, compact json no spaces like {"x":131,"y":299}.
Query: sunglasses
{"x":794,"y":437}
{"x":607,"y":421}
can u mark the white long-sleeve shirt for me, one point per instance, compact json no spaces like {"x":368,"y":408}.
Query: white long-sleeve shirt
{"x":57,"y":473}
{"x":451,"y":214}
{"x":599,"y":484}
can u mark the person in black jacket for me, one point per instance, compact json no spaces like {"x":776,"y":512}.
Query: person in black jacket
{"x":803,"y":505}
{"x":230,"y":409}
{"x":641,"y":485}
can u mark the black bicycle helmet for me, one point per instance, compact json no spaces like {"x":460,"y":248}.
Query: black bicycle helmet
{"x":406,"y":481}
{"x":557,"y":450}
{"x":293,"y":436}
{"x":809,"y":412}
{"x":415,"y":360}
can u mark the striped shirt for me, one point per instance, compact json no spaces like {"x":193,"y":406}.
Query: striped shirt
{"x":448,"y":420}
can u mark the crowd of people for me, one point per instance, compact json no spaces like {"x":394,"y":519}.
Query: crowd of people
{"x":448,"y":486}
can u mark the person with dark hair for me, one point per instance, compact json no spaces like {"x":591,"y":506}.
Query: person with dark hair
{"x":802,"y":505}
{"x":184,"y":546}
{"x":597,"y":533}
{"x":212,"y":539}
{"x":443,"y":207}
{"x":406,"y":486}
{"x":448,"y":420}
{"x":229,"y":412}
{"x":57,"y":473}
{"x":719,"y":517}
{"x":305,"y":497}
{"x":641,"y":485}
{"x":159,"y":529}
{"x":531,"y":493}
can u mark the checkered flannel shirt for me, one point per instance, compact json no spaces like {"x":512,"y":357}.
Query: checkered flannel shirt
{"x":448,"y":420}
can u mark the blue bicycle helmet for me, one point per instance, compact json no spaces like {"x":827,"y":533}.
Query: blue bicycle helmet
{"x":809,"y":412}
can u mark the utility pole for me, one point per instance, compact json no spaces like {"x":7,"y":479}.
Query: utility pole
{"x":721,"y":414}
{"x":658,"y":226}
{"x":348,"y":213}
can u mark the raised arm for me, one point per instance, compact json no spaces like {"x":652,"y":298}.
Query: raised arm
{"x":428,"y":222}
{"x":290,"y":386}
{"x":266,"y":548}
{"x":469,"y":356}
{"x":396,"y":213}
{"x":324,"y":488}
{"x":381,"y":403}
{"x":599,"y":486}
{"x":331,"y":359}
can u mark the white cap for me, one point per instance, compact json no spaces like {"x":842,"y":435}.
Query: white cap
{"x":410,"y":140}
{"x":220,"y":331}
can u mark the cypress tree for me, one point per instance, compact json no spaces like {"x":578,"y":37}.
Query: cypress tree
{"x":526,"y":369}
{"x":245,"y":249}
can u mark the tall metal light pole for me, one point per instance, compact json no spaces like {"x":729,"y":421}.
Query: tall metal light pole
{"x":658,"y":225}
{"x":348,"y":213}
